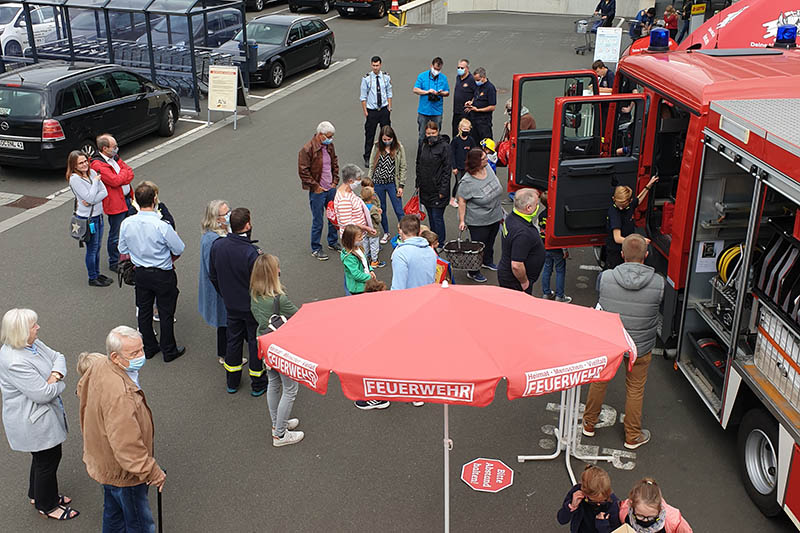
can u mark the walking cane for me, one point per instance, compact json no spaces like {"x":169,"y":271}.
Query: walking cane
{"x":160,"y":519}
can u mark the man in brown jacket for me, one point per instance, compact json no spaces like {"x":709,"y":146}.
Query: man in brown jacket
{"x":117,"y":430}
{"x":318,"y":168}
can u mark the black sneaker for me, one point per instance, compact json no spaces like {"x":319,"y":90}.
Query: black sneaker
{"x":99,"y":283}
{"x":112,"y":268}
{"x":336,"y":247}
{"x":372,"y":404}
{"x":105,"y":278}
{"x":320,"y":254}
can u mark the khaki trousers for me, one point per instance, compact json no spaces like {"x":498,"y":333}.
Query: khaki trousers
{"x":634,"y":398}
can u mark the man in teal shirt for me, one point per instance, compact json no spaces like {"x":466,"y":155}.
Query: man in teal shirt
{"x":432,"y":88}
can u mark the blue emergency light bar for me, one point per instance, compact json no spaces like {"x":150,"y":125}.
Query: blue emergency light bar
{"x":786,"y":36}
{"x":659,"y":40}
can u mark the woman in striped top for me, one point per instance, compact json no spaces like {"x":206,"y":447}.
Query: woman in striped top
{"x":349,"y":207}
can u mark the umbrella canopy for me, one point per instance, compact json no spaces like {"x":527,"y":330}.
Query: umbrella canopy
{"x":745,"y":24}
{"x":447,"y":344}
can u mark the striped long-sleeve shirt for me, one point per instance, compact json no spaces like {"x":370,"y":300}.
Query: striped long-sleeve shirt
{"x":350,"y":209}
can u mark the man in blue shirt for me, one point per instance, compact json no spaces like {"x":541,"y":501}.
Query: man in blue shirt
{"x":376,"y":101}
{"x":432,"y":87}
{"x":482,"y":106}
{"x":153,"y":245}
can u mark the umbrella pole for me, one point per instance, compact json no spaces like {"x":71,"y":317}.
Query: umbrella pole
{"x":448,"y":445}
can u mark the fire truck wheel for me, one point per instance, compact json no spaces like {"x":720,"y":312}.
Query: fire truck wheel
{"x":758,"y":455}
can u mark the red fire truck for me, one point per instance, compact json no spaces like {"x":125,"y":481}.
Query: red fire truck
{"x":720,"y":129}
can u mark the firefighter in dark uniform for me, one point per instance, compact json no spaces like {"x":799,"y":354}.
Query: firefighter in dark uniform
{"x":482,"y":106}
{"x":376,"y":101}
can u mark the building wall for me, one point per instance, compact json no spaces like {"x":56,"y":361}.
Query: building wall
{"x":625,"y":8}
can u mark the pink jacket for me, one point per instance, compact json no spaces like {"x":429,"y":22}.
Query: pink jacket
{"x":675,"y":522}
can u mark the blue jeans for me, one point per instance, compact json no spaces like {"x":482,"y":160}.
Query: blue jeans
{"x":93,"y":248}
{"x":127,"y":510}
{"x":389,"y":189}
{"x":422,"y":120}
{"x":684,"y":31}
{"x":114,"y":223}
{"x":554,"y":258}
{"x":436,"y":217}
{"x":318,"y":202}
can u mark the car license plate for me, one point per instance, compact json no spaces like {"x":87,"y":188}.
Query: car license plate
{"x":350,"y":9}
{"x":14,"y":145}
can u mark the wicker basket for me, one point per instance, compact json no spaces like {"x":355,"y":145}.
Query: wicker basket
{"x":464,"y":255}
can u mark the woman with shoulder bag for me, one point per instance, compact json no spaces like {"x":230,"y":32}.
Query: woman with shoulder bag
{"x":387,"y":169}
{"x":89,"y":193}
{"x":270,"y":307}
{"x":32,"y":381}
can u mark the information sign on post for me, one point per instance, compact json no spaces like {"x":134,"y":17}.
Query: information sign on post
{"x":224,"y":84}
{"x":607,"y":45}
{"x":487,"y":475}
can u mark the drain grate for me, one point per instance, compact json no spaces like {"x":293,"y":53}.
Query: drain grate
{"x":27,"y":202}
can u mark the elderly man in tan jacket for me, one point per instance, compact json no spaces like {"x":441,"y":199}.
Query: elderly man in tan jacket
{"x":117,"y":430}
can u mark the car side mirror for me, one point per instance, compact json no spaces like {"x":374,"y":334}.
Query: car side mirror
{"x":572,"y":120}
{"x":21,"y":23}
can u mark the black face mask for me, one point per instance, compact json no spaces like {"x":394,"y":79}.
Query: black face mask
{"x":432,"y":139}
{"x":646,"y":523}
{"x":596,"y":508}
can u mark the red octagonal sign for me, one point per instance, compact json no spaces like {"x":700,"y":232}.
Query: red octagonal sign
{"x":487,"y":475}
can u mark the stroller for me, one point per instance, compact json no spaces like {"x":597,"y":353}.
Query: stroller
{"x":587,"y":27}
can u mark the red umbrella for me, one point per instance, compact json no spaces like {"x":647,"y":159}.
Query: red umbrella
{"x":538,"y":346}
{"x":745,"y":24}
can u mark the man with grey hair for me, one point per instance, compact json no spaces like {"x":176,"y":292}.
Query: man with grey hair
{"x":523,"y":252}
{"x":118,"y":430}
{"x":482,"y":105}
{"x":318,"y":168}
{"x":117,"y":177}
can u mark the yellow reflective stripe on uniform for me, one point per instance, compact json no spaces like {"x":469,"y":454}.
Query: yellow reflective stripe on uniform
{"x":256,"y":373}
{"x":229,"y":368}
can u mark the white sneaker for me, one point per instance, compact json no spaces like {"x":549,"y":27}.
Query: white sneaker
{"x":417,"y":404}
{"x":385,"y":238}
{"x":290,"y":437}
{"x":291,"y":424}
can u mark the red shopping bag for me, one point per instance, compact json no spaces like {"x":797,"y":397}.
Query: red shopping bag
{"x":503,"y":153}
{"x":412,"y":207}
{"x":330,"y":214}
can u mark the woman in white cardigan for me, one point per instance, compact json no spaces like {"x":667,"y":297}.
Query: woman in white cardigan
{"x":31,"y":380}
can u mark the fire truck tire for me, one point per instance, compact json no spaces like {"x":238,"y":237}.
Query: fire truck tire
{"x":758,"y":456}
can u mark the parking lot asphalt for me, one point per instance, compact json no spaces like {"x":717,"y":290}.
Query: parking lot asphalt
{"x":355,"y":471}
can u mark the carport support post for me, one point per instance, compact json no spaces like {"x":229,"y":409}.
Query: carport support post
{"x":148,"y":28}
{"x":108,"y":36}
{"x":246,"y":66}
{"x":68,"y":32}
{"x":448,"y":445}
{"x":195,"y":88}
{"x":26,"y":10}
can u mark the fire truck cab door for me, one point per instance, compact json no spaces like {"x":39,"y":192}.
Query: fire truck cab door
{"x":596,"y":146}
{"x":531,"y":120}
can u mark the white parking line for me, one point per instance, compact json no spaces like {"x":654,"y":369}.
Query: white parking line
{"x":331,"y":18}
{"x":192,"y":120}
{"x":63,"y":196}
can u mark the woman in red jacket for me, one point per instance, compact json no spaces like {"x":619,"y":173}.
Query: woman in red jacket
{"x":671,"y":21}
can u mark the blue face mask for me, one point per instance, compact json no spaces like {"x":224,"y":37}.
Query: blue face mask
{"x":228,"y":219}
{"x":136,"y":364}
{"x":479,"y":83}
{"x":460,"y":71}
{"x":327,"y":140}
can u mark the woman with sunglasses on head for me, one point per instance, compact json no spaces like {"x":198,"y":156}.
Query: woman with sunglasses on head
{"x":89,"y":193}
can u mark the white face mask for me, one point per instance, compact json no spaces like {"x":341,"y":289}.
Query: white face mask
{"x":434,"y":72}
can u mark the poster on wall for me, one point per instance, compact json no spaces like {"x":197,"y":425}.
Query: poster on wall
{"x":707,"y":253}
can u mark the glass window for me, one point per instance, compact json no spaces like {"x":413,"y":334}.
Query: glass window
{"x":538,"y":95}
{"x":20,"y":103}
{"x":71,"y":99}
{"x":294,"y":33}
{"x":7,"y":13}
{"x":582,"y":131}
{"x":319,"y":25}
{"x":230,"y":19}
{"x":624,"y":129}
{"x":264,"y":33}
{"x":309,"y":28}
{"x":100,"y":89}
{"x":36,"y":16}
{"x":46,"y":14}
{"x":128,"y":84}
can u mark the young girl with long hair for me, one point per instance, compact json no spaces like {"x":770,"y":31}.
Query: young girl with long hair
{"x":356,"y":267}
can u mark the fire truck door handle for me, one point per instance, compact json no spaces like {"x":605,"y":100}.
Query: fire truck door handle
{"x":595,"y":169}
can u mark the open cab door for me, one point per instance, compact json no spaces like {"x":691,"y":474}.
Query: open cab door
{"x":596,"y":146}
{"x":531,"y":129}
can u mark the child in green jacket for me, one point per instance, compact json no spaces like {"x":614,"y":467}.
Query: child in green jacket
{"x":356,"y":267}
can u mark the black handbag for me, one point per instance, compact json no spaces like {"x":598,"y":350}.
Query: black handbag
{"x":79,"y":226}
{"x":276,"y":320}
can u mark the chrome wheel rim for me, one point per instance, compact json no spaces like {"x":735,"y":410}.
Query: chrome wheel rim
{"x":760,"y":461}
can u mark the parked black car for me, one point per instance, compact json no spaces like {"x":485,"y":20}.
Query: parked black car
{"x":90,"y":25}
{"x":323,"y":6}
{"x":287,"y":44}
{"x":375,"y":8}
{"x":222,"y":26}
{"x":50,"y":109}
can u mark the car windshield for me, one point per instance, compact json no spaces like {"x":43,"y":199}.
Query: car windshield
{"x":264,"y":33}
{"x":20,"y":103}
{"x":7,"y":14}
